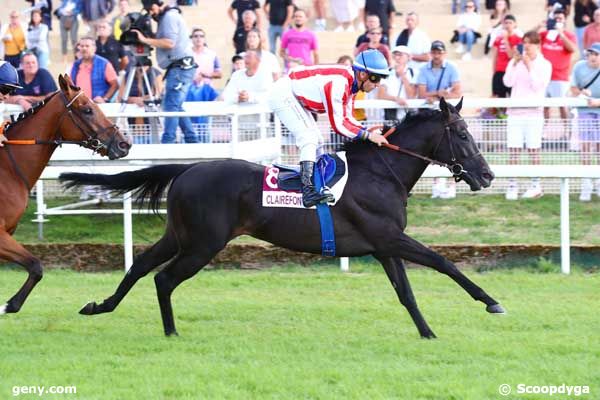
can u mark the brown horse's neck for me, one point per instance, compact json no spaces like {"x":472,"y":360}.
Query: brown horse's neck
{"x":32,"y":159}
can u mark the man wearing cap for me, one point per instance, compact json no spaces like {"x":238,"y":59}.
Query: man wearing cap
{"x":173,"y":54}
{"x":325,"y":89}
{"x":439,"y":77}
{"x":585,"y":82}
{"x":9,"y":82}
{"x":400,"y":84}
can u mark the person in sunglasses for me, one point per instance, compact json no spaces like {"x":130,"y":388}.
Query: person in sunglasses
{"x":330,"y":90}
{"x":9,"y":82}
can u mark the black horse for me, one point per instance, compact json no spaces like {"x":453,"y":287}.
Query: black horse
{"x":210,"y":203}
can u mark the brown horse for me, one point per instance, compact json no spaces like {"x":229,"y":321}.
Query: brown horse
{"x":66,"y":116}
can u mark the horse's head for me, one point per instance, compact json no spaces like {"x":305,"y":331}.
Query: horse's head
{"x":458,"y":149}
{"x":86,"y":123}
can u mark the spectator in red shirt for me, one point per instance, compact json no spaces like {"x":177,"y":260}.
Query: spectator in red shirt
{"x":375,"y":36}
{"x":591,"y":34}
{"x":504,"y":48}
{"x":558,"y":46}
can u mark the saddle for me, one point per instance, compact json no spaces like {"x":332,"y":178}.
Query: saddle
{"x":331,"y":166}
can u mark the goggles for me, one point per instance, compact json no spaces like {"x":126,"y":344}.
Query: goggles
{"x":375,"y":78}
{"x":7,"y":90}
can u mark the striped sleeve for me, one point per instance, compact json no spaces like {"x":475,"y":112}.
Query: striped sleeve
{"x":336,"y":101}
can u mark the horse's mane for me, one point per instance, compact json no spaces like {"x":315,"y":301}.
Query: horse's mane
{"x":409,"y":121}
{"x":33,"y":110}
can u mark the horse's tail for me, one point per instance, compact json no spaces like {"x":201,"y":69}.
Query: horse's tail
{"x":146,"y":184}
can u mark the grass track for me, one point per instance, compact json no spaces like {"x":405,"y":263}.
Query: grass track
{"x":290,"y":333}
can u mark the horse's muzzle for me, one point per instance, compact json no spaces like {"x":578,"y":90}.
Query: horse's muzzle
{"x":119,"y":148}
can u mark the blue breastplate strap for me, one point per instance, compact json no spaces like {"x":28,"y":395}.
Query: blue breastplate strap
{"x":325,"y":219}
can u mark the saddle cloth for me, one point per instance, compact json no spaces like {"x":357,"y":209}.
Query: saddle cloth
{"x":282,"y":187}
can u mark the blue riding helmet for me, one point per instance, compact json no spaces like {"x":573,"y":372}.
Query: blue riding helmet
{"x":9,"y":78}
{"x":373,"y":62}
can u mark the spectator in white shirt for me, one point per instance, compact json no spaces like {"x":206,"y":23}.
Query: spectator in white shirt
{"x":268,"y":61}
{"x":248,"y":85}
{"x":467,"y":25}
{"x":400,"y":84}
{"x":417,"y":41}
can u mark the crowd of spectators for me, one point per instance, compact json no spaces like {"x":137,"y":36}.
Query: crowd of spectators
{"x":273,"y":36}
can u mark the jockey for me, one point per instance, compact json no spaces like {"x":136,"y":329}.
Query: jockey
{"x":9,"y":82}
{"x":328,"y":89}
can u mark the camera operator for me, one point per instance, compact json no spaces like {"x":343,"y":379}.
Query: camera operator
{"x":174,"y":54}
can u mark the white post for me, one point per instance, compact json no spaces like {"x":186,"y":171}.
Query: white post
{"x":344,"y":264}
{"x":127,"y":230}
{"x":41,"y":207}
{"x":235,"y":131}
{"x":565,"y":245}
{"x":278,"y":136}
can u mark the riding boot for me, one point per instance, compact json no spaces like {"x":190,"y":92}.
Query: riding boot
{"x":310,"y":196}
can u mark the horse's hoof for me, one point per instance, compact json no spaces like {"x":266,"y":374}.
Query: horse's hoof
{"x":171,"y":334}
{"x":3,"y":309}
{"x":495,"y":309}
{"x":88,"y":309}
{"x":428,"y":335}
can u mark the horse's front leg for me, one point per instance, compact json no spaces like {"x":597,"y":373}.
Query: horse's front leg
{"x":11,"y":250}
{"x":409,"y":249}
{"x":394,"y":268}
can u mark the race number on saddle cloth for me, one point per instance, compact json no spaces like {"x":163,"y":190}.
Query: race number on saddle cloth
{"x":282,"y":187}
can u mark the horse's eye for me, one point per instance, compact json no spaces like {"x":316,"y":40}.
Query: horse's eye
{"x":88,"y":111}
{"x":462,"y":134}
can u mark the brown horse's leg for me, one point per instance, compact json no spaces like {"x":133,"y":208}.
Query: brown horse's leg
{"x":409,"y":249}
{"x":11,"y":250}
{"x":394,"y":268}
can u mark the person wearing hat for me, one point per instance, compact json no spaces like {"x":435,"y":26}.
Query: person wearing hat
{"x":9,"y":82}
{"x":439,"y":78}
{"x":399,"y":85}
{"x":325,"y":89}
{"x":585,"y":82}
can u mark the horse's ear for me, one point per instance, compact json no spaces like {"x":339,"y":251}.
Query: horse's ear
{"x":62,"y":82}
{"x":444,"y":108}
{"x":459,"y":105}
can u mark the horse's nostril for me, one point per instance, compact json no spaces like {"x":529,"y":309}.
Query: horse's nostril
{"x":124,"y":145}
{"x":488,"y":176}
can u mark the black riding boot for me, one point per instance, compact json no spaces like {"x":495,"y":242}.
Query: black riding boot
{"x":310,"y":196}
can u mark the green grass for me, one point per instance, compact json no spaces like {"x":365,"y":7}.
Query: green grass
{"x":303,"y":333}
{"x":465,"y":220}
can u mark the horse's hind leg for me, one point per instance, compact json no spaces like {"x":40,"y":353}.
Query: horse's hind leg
{"x":160,"y":252}
{"x":394,"y":268}
{"x":409,"y":249}
{"x":184,"y":266}
{"x":11,"y":250}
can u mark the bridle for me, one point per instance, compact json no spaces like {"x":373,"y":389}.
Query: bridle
{"x":91,"y":140}
{"x":456,"y":168}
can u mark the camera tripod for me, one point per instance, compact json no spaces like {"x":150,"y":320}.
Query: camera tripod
{"x":150,"y":105}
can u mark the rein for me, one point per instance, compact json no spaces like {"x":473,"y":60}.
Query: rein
{"x":455,"y":168}
{"x":91,"y":141}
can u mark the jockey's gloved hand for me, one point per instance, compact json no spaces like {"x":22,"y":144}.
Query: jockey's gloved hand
{"x":375,"y":135}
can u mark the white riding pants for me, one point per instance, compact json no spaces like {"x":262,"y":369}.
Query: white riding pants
{"x":295,"y":118}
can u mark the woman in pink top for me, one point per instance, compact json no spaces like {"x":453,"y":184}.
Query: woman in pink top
{"x":528,"y":74}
